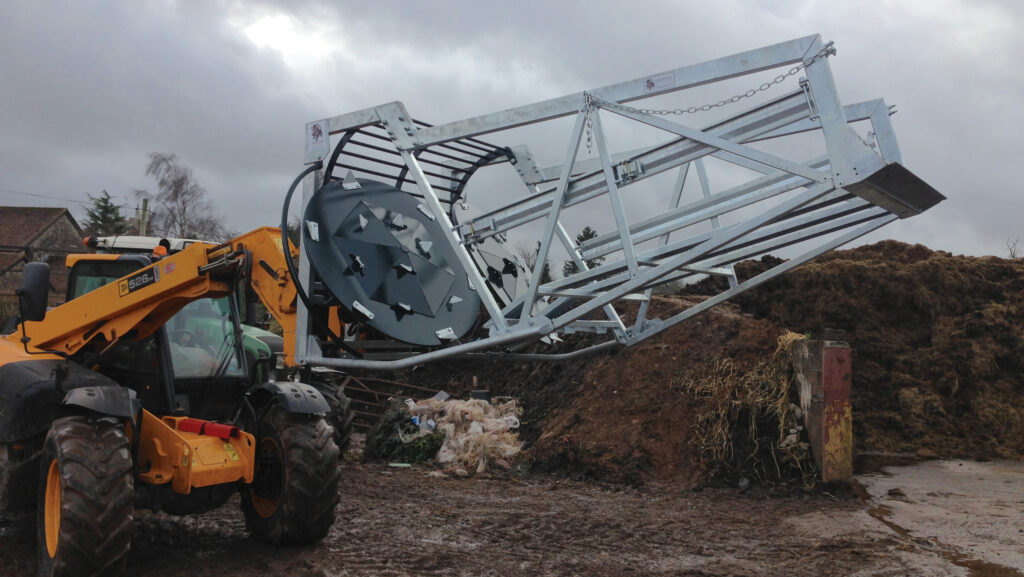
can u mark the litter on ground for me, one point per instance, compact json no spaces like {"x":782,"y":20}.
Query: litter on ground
{"x":474,"y":435}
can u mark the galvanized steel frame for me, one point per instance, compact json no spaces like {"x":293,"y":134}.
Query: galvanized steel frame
{"x":810,"y":197}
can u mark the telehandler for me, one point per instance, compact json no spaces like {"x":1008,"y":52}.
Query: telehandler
{"x":200,"y":327}
{"x":136,"y":394}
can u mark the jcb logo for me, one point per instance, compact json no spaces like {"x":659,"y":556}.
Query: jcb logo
{"x":138,"y":280}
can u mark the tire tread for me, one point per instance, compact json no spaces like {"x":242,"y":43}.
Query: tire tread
{"x":97,"y":509}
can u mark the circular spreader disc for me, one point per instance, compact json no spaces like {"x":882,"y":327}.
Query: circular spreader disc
{"x":381,"y":253}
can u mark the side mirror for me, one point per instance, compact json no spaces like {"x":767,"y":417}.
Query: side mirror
{"x":33,"y":292}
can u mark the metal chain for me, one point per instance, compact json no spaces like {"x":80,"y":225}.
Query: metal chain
{"x":589,"y":104}
{"x":825,"y":52}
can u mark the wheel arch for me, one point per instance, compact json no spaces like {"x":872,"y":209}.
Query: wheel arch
{"x":36,"y":392}
{"x":293,"y":397}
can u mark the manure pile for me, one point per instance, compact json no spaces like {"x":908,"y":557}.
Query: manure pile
{"x":631,"y":416}
{"x":938,"y":345}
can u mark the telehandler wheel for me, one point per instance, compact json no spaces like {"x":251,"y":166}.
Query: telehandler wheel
{"x":295,"y":488}
{"x":86,"y":491}
{"x":341,"y":415}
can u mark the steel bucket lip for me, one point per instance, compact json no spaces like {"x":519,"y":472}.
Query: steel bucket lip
{"x":896,"y":189}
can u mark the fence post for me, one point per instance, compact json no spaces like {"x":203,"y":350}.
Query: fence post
{"x":823,"y":372}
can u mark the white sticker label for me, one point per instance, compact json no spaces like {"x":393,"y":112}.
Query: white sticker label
{"x":660,"y":82}
{"x":314,"y":230}
{"x":317,"y":139}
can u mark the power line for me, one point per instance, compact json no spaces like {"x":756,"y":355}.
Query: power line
{"x":127,"y":207}
{"x":44,"y":196}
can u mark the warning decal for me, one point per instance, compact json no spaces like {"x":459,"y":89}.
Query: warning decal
{"x":660,"y":82}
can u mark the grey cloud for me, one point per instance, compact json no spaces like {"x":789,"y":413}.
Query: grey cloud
{"x":89,"y":89}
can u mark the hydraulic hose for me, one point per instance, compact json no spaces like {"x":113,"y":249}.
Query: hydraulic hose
{"x":299,"y":290}
{"x":286,"y":248}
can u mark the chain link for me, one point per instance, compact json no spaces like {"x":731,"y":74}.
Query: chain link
{"x":591,"y":100}
{"x":590,"y":125}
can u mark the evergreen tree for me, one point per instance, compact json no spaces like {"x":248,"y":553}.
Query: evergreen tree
{"x":294,"y":230}
{"x":545,"y":273}
{"x":569,"y":267}
{"x":104,"y":217}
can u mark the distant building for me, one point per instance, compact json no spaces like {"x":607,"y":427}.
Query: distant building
{"x":36,"y":234}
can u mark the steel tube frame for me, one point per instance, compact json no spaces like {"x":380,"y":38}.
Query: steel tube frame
{"x":677,"y":197}
{"x":526,"y":210}
{"x":770,"y":238}
{"x":581,"y":265}
{"x":743,"y":63}
{"x":759,"y":279}
{"x":476,"y":279}
{"x":655,"y":161}
{"x":809,"y":197}
{"x":552,"y":222}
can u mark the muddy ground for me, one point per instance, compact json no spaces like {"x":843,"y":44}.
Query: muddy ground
{"x":938,"y":518}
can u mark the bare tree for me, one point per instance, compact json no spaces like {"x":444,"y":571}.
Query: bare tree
{"x":1013,"y":248}
{"x":528,"y":253}
{"x":182,"y":208}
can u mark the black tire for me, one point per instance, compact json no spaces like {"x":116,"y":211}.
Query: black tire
{"x":341,"y":416}
{"x":295,"y":489}
{"x":85,"y":511}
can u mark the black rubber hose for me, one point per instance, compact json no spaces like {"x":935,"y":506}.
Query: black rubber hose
{"x":284,"y":234}
{"x":286,"y":248}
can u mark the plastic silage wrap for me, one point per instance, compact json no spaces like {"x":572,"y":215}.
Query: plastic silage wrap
{"x":477,"y":434}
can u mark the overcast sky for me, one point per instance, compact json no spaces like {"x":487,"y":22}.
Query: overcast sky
{"x":89,"y":89}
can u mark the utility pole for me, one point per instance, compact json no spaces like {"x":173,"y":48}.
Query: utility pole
{"x":144,"y":220}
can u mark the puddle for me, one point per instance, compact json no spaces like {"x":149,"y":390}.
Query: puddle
{"x":978,"y":568}
{"x":874,"y":462}
{"x":884,"y":513}
{"x":881,"y":513}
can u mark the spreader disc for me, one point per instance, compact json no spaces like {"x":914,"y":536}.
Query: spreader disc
{"x":380,"y":252}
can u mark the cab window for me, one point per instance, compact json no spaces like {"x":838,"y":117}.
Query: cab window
{"x":87,"y":276}
{"x":202,"y":341}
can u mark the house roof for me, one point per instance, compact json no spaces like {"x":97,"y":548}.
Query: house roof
{"x":21,"y":225}
{"x":10,"y":259}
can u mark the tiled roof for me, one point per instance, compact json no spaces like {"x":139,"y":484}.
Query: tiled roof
{"x":9,"y":259}
{"x":20,"y":225}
